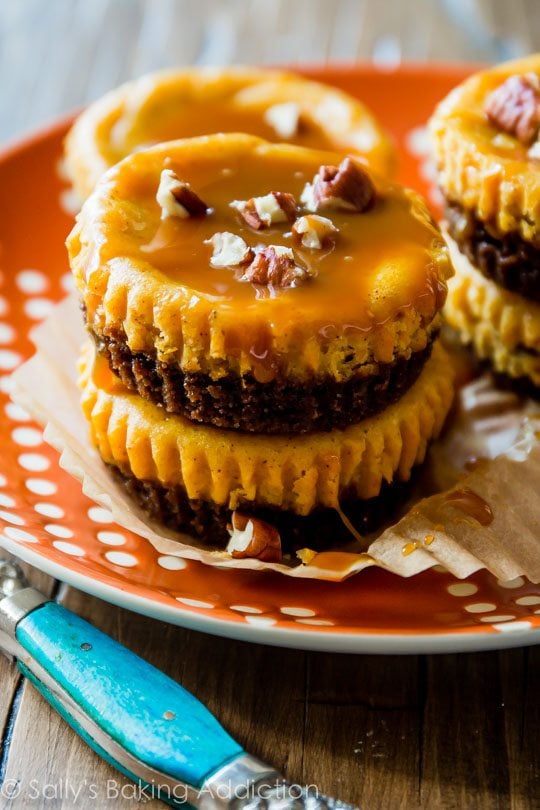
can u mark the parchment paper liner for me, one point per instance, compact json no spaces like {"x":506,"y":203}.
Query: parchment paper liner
{"x":490,"y":425}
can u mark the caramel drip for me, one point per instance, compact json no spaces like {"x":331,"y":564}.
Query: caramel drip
{"x":414,"y":545}
{"x":408,"y":548}
{"x":471,"y":504}
{"x":339,"y":562}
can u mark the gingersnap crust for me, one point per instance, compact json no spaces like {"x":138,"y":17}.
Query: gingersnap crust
{"x":281,"y":405}
{"x":322,"y":529}
{"x":505,"y":258}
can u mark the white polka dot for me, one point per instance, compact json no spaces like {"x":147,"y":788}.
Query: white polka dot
{"x":172,"y":563}
{"x":417,"y":141}
{"x":19,"y":534}
{"x":6,"y":384}
{"x":7,"y":333}
{"x":523,"y":600}
{"x":40,"y":486}
{"x":500,"y":618}
{"x":318,"y":622}
{"x":34,"y":462}
{"x":4,"y":306}
{"x":38,"y":308}
{"x":260,"y":620}
{"x":62,"y":170}
{"x":27,"y":437}
{"x":16,"y":413}
{"x":462,"y":589}
{"x":480,"y":607}
{"x":31,"y":282}
{"x":9,"y":517}
{"x":6,"y":500}
{"x":100,"y":515}
{"x":428,"y":171}
{"x":67,"y":282}
{"x":511,"y":626}
{"x":245,"y":609}
{"x":68,"y":548}
{"x":49,"y":510}
{"x":69,"y":202}
{"x":194,"y":602}
{"x":58,"y":531}
{"x":3,"y":480}
{"x":111,"y":538}
{"x":511,"y":583}
{"x":121,"y":558}
{"x":297,"y":611}
{"x":9,"y":360}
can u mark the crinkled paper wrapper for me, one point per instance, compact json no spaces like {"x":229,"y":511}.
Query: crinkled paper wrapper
{"x":494,"y":427}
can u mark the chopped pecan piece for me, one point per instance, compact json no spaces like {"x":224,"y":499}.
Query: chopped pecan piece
{"x":345,"y":186}
{"x":177,"y":199}
{"x":229,"y":250}
{"x":514,"y":107}
{"x":284,"y":119}
{"x":262,"y":212}
{"x":252,"y":537}
{"x":274,"y":266}
{"x":314,"y":231}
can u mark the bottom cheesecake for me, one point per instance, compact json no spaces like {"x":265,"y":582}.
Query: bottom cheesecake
{"x":203,"y":480}
{"x":501,"y":326}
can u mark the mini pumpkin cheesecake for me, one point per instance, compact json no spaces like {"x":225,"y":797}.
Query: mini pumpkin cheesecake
{"x":180,"y":104}
{"x":486,"y":141}
{"x":260,"y":287}
{"x":259,"y":495}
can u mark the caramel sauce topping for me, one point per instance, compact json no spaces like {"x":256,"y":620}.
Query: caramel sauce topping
{"x":383,"y":262}
{"x":199,"y":117}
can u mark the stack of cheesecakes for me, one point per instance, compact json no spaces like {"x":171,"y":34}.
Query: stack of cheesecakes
{"x":264,"y":369}
{"x":486,"y":139}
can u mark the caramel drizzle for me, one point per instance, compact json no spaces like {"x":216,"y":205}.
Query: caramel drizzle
{"x":471,"y":505}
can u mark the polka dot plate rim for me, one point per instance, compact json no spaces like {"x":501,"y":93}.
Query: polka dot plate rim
{"x":47,"y":521}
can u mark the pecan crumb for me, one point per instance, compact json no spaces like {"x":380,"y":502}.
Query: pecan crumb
{"x":177,"y":199}
{"x":345,"y":186}
{"x":252,"y":537}
{"x":274,"y":266}
{"x":514,"y":107}
{"x":284,"y":119}
{"x":314,"y":231}
{"x":229,"y":250}
{"x":262,"y":212}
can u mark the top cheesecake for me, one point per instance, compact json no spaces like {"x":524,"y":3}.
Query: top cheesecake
{"x":179,"y":104}
{"x":257,"y":286}
{"x":485,"y":137}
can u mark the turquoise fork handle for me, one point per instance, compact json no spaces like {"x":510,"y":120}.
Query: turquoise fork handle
{"x":138,"y":708}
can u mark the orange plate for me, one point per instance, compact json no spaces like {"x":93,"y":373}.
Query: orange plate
{"x":46,"y":520}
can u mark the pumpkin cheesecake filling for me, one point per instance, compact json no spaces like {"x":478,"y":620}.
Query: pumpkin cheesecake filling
{"x":201,"y":475}
{"x":270,"y":304}
{"x":175,"y":104}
